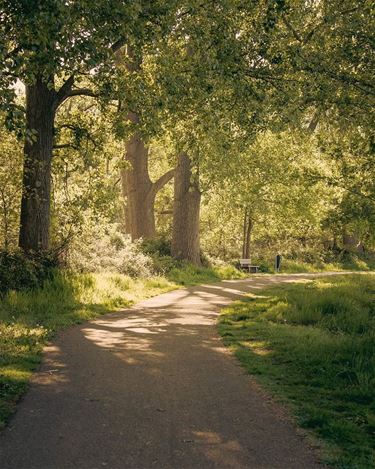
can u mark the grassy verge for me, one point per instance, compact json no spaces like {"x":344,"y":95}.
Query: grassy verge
{"x":313,"y":345}
{"x":192,"y":275}
{"x":29,"y":318}
{"x":354,"y":263}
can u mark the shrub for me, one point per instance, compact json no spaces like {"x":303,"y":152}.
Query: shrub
{"x":111,"y":253}
{"x":164,"y":264}
{"x":19,"y":272}
{"x":157,"y":246}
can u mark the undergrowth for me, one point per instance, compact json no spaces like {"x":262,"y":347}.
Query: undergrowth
{"x":313,"y":346}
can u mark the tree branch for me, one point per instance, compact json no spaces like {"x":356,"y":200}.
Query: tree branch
{"x":82,"y":92}
{"x":64,"y":91}
{"x":60,"y":146}
{"x":362,"y":85}
{"x":291,"y":29}
{"x":166,"y":212}
{"x":314,"y":122}
{"x":116,"y":46}
{"x":162,"y":181}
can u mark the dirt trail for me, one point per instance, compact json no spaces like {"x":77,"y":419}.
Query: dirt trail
{"x":152,"y":387}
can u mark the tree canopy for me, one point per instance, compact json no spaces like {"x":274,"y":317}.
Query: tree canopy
{"x":269,"y":104}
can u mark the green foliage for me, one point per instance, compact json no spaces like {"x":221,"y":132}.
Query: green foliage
{"x":300,"y":265}
{"x":18,"y":272}
{"x":10,"y":185}
{"x":59,"y":39}
{"x":109,"y":252}
{"x":86,"y":194}
{"x":312,"y":344}
{"x":160,"y":246}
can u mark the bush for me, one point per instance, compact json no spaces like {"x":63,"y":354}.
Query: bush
{"x":157,"y":246}
{"x":111,"y":253}
{"x":19,"y":272}
{"x":164,"y":264}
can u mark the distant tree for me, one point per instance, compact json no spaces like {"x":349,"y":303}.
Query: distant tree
{"x":10,"y":184}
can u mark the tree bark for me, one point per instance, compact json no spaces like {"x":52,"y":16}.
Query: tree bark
{"x":36,"y":185}
{"x":247,"y":228}
{"x":352,"y":242}
{"x":139,"y":191}
{"x":186,"y":211}
{"x":5,"y":219}
{"x":137,"y":188}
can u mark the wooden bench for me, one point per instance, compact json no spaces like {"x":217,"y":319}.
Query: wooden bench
{"x":245,"y":264}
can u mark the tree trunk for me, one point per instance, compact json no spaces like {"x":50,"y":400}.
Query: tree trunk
{"x":36,"y":185}
{"x":186,"y":210}
{"x":5,"y":219}
{"x":352,"y":242}
{"x":247,"y":228}
{"x":139,"y":191}
{"x":137,"y":188}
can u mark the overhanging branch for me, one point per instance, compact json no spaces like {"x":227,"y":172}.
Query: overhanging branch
{"x":66,"y":92}
{"x":82,"y":92}
{"x":63,"y":92}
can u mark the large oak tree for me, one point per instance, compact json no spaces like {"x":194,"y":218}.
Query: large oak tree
{"x":58,"y":48}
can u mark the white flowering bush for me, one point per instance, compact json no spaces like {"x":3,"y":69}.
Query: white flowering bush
{"x":109,"y":252}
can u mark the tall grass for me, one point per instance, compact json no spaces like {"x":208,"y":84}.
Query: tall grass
{"x":313,"y":345}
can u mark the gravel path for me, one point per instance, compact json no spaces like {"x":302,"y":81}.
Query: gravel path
{"x":152,"y":387}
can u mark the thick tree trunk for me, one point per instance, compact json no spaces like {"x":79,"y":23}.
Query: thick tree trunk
{"x":247,"y":228}
{"x":186,"y":211}
{"x":139,"y":191}
{"x":36,"y":186}
{"x":137,"y":188}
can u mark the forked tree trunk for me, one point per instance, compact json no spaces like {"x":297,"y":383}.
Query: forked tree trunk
{"x":186,"y":211}
{"x":36,"y":186}
{"x":247,"y":228}
{"x":139,"y":191}
{"x":137,"y":188}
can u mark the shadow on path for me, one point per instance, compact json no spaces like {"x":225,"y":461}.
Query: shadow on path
{"x":152,"y":386}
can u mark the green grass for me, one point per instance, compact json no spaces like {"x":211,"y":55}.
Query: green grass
{"x":189,"y":274}
{"x":295,"y":266}
{"x":354,"y":264}
{"x":313,"y":345}
{"x":29,"y":318}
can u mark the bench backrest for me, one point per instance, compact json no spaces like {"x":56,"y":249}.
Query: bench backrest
{"x":245,"y":261}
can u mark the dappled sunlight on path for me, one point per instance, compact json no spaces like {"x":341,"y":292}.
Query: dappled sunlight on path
{"x":152,"y":386}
